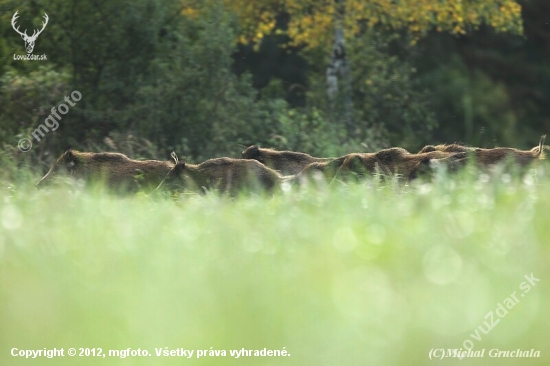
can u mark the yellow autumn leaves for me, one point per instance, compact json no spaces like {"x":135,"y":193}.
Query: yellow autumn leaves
{"x":311,"y":23}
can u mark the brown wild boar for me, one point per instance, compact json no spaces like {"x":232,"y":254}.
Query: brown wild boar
{"x":118,"y":172}
{"x":389,"y":162}
{"x":452,"y":148}
{"x":285,"y":162}
{"x":327,"y":170}
{"x":427,"y":166}
{"x":489,"y":157}
{"x":224,"y":174}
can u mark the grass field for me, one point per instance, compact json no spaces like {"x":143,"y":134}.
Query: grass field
{"x":362,"y":274}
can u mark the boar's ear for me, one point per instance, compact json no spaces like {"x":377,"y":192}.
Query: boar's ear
{"x":542,"y":140}
{"x":540,"y":150}
{"x":174,"y":157}
{"x":252,"y":150}
{"x":427,"y":148}
{"x":70,"y":158}
{"x":254,"y":153}
{"x":179,"y":167}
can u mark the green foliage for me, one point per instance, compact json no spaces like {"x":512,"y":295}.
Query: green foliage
{"x":386,"y":93}
{"x":17,"y":169}
{"x":296,"y":127}
{"x":470,"y":104}
{"x":162,"y":76}
{"x":193,"y":103}
{"x":307,"y":129}
{"x":489,"y":81}
{"x":389,"y":108}
{"x":27,"y":100}
{"x":146,"y":71}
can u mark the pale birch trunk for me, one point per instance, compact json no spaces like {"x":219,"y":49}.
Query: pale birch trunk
{"x":339,"y":68}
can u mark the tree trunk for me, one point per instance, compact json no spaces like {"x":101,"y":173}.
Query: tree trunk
{"x":339,"y":68}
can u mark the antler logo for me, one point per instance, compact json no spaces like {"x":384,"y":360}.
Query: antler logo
{"x":29,"y":40}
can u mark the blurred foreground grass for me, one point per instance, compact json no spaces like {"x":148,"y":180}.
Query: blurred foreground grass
{"x":352,"y":275}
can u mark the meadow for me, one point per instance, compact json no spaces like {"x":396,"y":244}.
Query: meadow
{"x":375,"y":273}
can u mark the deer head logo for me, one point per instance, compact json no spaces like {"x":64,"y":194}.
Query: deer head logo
{"x":29,"y":40}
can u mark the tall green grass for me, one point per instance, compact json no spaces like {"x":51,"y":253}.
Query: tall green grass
{"x":360,"y":274}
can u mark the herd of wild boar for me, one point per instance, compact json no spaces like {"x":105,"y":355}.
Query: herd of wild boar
{"x":264,"y":170}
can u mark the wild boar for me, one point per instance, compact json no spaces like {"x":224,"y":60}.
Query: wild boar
{"x":327,"y":170}
{"x":285,"y":162}
{"x":452,"y":148}
{"x":388,"y":162}
{"x":118,"y":172}
{"x":485,"y":158}
{"x":427,"y":166}
{"x":226,"y":175}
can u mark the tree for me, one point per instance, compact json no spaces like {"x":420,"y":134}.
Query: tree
{"x":489,"y":88}
{"x":311,"y":23}
{"x":146,"y":74}
{"x":327,"y":24}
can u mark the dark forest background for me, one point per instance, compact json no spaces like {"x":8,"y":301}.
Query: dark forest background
{"x":154,"y":81}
